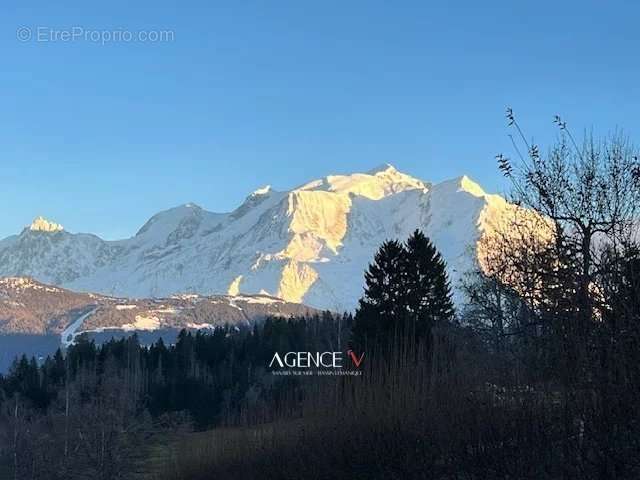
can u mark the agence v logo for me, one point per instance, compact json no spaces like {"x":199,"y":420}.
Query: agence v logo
{"x":316,"y":363}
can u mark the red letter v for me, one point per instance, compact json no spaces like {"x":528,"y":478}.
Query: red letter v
{"x":356,"y":361}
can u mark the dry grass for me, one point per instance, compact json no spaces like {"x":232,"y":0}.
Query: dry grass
{"x":410,"y":416}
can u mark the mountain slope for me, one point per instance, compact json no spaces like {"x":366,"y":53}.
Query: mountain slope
{"x":36,"y":319}
{"x":311,"y":244}
{"x":31,"y":307}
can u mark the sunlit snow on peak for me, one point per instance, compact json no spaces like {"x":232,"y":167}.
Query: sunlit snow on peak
{"x":376,"y":184}
{"x":262,"y":191}
{"x":461,"y":184}
{"x":468,"y":185}
{"x":41,"y":224}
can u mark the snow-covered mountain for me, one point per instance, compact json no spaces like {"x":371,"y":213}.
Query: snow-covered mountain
{"x":309,"y":245}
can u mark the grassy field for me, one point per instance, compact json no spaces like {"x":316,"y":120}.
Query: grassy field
{"x":217,"y":453}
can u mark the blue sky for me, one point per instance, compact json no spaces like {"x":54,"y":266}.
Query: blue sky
{"x":101,"y":136}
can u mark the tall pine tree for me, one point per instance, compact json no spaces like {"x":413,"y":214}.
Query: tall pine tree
{"x":406,"y":292}
{"x":383,"y":306}
{"x":427,"y":287}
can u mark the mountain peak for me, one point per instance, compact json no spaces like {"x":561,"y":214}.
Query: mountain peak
{"x":41,"y":224}
{"x":192,"y":205}
{"x":374,"y":184}
{"x":166,"y":221}
{"x":461,"y":184}
{"x":262,"y":191}
{"x":384,"y":168}
{"x":468,"y":185}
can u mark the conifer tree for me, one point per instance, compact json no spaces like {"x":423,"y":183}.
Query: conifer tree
{"x":406,"y":292}
{"x":383,"y":306}
{"x":427,"y":287}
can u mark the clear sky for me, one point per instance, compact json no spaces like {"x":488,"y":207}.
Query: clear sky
{"x":99,"y":135}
